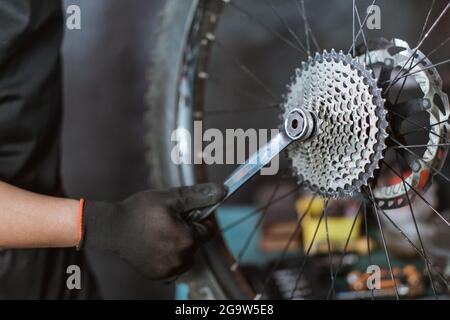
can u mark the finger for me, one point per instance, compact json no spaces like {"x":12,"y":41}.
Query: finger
{"x":203,"y":231}
{"x":186,"y":199}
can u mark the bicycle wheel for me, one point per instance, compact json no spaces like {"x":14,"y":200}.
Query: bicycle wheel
{"x":381,"y":107}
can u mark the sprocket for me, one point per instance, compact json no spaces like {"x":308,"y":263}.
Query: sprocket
{"x":349,"y":143}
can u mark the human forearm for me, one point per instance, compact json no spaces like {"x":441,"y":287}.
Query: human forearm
{"x":29,"y":220}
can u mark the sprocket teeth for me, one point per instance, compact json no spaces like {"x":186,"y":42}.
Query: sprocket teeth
{"x":300,"y":90}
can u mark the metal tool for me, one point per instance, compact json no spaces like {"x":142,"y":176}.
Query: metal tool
{"x":299,"y":125}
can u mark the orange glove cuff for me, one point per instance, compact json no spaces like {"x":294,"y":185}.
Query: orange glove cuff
{"x":80,"y":222}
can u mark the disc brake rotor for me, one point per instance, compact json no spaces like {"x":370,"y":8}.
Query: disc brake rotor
{"x":415,"y":101}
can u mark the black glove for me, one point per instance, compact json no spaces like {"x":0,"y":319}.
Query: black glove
{"x":149,"y":230}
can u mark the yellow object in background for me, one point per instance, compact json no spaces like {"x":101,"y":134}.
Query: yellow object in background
{"x":338,"y":227}
{"x":316,"y":208}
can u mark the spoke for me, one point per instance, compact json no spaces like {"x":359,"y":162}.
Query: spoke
{"x":309,"y":34}
{"x":424,"y":128}
{"x":234,"y":224}
{"x":246,"y":70}
{"x":239,"y":91}
{"x":330,"y":254}
{"x":418,"y":125}
{"x":438,"y":172}
{"x":413,"y":73}
{"x":436,"y":22}
{"x":353,"y":29}
{"x":252,"y":234}
{"x":269,"y":3}
{"x":286,"y":247}
{"x":412,"y":60}
{"x":419,"y":45}
{"x":364,"y":37}
{"x":402,"y":233}
{"x":421,"y":146}
{"x":427,"y":18}
{"x":306,"y":26}
{"x":430,"y":276}
{"x":369,"y":252}
{"x":399,"y":93}
{"x":361,"y":27}
{"x":305,"y":258}
{"x":418,"y":193}
{"x":397,"y":77}
{"x":262,"y":24}
{"x":431,"y":53}
{"x":437,"y":48}
{"x":341,"y":260}
{"x":386,"y":252}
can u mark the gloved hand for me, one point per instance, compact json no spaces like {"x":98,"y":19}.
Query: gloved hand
{"x":149,"y":230}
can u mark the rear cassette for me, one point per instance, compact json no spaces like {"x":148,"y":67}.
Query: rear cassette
{"x":351,"y":124}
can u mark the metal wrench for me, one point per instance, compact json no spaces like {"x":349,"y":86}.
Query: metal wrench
{"x":299,"y":126}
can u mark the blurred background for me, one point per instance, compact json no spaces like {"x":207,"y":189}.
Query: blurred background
{"x":106,"y":78}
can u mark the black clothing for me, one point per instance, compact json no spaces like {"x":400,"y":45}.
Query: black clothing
{"x":30,"y":127}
